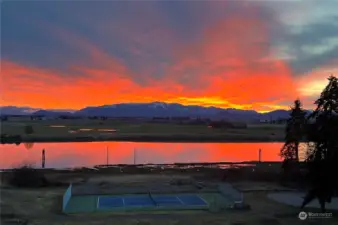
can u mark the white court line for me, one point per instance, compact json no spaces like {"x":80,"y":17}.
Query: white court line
{"x":240,"y":201}
{"x":203,"y":200}
{"x":98,"y":202}
{"x":179,"y":200}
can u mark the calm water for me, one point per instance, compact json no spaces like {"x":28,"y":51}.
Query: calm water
{"x":62,"y":155}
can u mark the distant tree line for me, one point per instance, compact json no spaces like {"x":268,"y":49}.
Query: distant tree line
{"x":279,"y":121}
{"x":227,"y":124}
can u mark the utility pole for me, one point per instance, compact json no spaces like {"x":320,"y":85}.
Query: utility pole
{"x":43,"y":158}
{"x":260,"y":155}
{"x":134,"y":156}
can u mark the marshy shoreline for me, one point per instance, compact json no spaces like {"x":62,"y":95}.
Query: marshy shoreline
{"x":246,"y":170}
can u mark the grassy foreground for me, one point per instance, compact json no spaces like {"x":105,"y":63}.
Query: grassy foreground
{"x":89,"y":130}
{"x":43,"y":205}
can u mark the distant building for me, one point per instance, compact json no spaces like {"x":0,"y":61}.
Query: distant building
{"x":226,"y":124}
{"x":180,"y":118}
{"x":264,"y":121}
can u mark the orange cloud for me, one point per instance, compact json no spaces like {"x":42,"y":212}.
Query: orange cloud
{"x":35,"y":87}
{"x":229,"y":65}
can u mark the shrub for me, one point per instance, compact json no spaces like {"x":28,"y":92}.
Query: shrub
{"x":228,"y":125}
{"x":4,"y":118}
{"x":5,"y":138}
{"x":27,"y":176}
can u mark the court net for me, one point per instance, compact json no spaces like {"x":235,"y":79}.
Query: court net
{"x":66,"y":197}
{"x":151,"y":198}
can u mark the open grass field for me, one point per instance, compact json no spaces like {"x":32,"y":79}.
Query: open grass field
{"x":90,"y":130}
{"x":43,"y":206}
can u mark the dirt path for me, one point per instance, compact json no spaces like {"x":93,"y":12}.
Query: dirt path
{"x":296,"y":198}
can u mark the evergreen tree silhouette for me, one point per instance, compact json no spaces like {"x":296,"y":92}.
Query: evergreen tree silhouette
{"x":322,"y":155}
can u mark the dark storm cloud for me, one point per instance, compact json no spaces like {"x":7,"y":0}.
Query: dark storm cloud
{"x":303,"y":46}
{"x":29,"y":32}
{"x":148,"y":37}
{"x":128,"y":31}
{"x":144,"y":36}
{"x":309,"y":39}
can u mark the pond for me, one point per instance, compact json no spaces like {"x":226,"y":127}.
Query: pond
{"x":64,"y":155}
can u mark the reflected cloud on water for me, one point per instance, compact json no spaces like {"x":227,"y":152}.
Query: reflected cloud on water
{"x":28,"y":145}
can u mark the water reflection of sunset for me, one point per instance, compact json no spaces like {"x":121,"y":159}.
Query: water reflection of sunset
{"x":61,"y":155}
{"x":28,"y":145}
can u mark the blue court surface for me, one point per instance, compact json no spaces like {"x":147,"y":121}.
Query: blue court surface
{"x":105,"y":202}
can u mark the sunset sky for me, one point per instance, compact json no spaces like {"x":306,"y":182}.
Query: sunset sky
{"x":257,"y":55}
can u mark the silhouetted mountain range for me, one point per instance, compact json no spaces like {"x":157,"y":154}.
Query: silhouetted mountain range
{"x":21,"y":111}
{"x":52,"y":113}
{"x":155,"y":109}
{"x":13,"y":110}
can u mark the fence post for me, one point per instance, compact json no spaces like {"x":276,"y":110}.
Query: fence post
{"x":134,"y":156}
{"x":43,"y":158}
{"x":260,"y":155}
